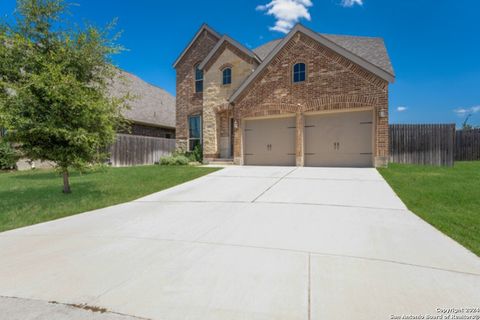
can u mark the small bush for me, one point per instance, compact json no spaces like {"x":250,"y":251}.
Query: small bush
{"x":175,"y":160}
{"x":196,"y":155}
{"x":8,"y":156}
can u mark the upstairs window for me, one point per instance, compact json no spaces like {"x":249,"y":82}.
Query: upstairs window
{"x":299,"y":72}
{"x":198,"y":79}
{"x":227,"y":76}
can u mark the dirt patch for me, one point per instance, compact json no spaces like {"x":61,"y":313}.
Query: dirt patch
{"x":83,"y":306}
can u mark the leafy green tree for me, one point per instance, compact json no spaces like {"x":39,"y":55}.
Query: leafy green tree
{"x":54,"y":82}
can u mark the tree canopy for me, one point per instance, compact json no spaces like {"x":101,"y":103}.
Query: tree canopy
{"x":54,"y":87}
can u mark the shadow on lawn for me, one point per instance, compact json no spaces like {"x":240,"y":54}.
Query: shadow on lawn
{"x":47,"y":175}
{"x":43,"y":194}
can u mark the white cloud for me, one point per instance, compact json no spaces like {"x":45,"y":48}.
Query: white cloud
{"x":287,"y":13}
{"x":351,"y":3}
{"x":401,"y":109}
{"x":464,"y":111}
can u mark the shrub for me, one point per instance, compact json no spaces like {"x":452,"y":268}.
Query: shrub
{"x":197,"y":154}
{"x":174,"y":160}
{"x":8,"y":156}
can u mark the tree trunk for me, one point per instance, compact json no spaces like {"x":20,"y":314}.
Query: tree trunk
{"x":66,"y":182}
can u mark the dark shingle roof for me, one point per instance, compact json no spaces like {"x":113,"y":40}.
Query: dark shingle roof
{"x":151,"y":104}
{"x":370,"y":49}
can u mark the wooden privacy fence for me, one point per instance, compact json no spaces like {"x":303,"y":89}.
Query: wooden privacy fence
{"x":431,"y":144}
{"x":467,"y":145}
{"x":129,"y":150}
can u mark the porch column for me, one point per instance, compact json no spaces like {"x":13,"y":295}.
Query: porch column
{"x":299,"y":145}
{"x":210,"y":133}
{"x":239,"y":140}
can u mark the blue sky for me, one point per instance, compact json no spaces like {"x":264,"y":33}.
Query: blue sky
{"x":434,"y":44}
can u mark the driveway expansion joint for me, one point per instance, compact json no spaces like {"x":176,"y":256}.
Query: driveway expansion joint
{"x":276,"y":203}
{"x":309,"y":301}
{"x":274,"y":184}
{"x":296,"y":251}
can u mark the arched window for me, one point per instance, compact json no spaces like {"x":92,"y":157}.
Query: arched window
{"x":198,"y":79}
{"x":227,"y":76}
{"x":299,"y":72}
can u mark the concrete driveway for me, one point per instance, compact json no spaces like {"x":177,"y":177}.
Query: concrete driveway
{"x":245,"y":243}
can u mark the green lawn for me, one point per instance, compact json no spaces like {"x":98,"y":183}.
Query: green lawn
{"x":35,"y":196}
{"x":447,"y":198}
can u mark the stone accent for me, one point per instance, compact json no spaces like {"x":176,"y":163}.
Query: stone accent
{"x":188,"y":102}
{"x":224,"y":134}
{"x":333,"y":83}
{"x":216,"y":94}
{"x":238,"y":143}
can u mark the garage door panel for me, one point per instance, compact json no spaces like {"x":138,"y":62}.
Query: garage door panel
{"x":357,"y":138}
{"x":342,"y":139}
{"x":342,"y":160}
{"x":270,"y":142}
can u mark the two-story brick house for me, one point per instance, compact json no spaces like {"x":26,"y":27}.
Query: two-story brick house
{"x":307,"y":99}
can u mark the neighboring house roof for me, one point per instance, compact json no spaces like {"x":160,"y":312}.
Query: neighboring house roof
{"x":369,"y":53}
{"x":234,"y":43}
{"x":150,"y":105}
{"x":199,"y":32}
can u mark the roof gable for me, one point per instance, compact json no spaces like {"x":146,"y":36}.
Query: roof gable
{"x":369,"y":48}
{"x":234,"y":43}
{"x":204,"y":27}
{"x":327,"y":41}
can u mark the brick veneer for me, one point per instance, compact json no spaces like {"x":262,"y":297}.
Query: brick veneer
{"x":333,"y":83}
{"x":187,"y":101}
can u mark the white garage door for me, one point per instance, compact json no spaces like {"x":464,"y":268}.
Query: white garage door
{"x":270,"y":142}
{"x":342,"y":139}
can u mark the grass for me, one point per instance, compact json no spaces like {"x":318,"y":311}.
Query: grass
{"x":447,"y":198}
{"x":31,"y":197}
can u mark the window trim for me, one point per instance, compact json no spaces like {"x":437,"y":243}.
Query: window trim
{"x":228,"y":77}
{"x":195,"y":80}
{"x":200,"y":139}
{"x":305,"y":73}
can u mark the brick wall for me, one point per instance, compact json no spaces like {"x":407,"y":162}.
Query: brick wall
{"x":187,"y":101}
{"x":333,"y":83}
